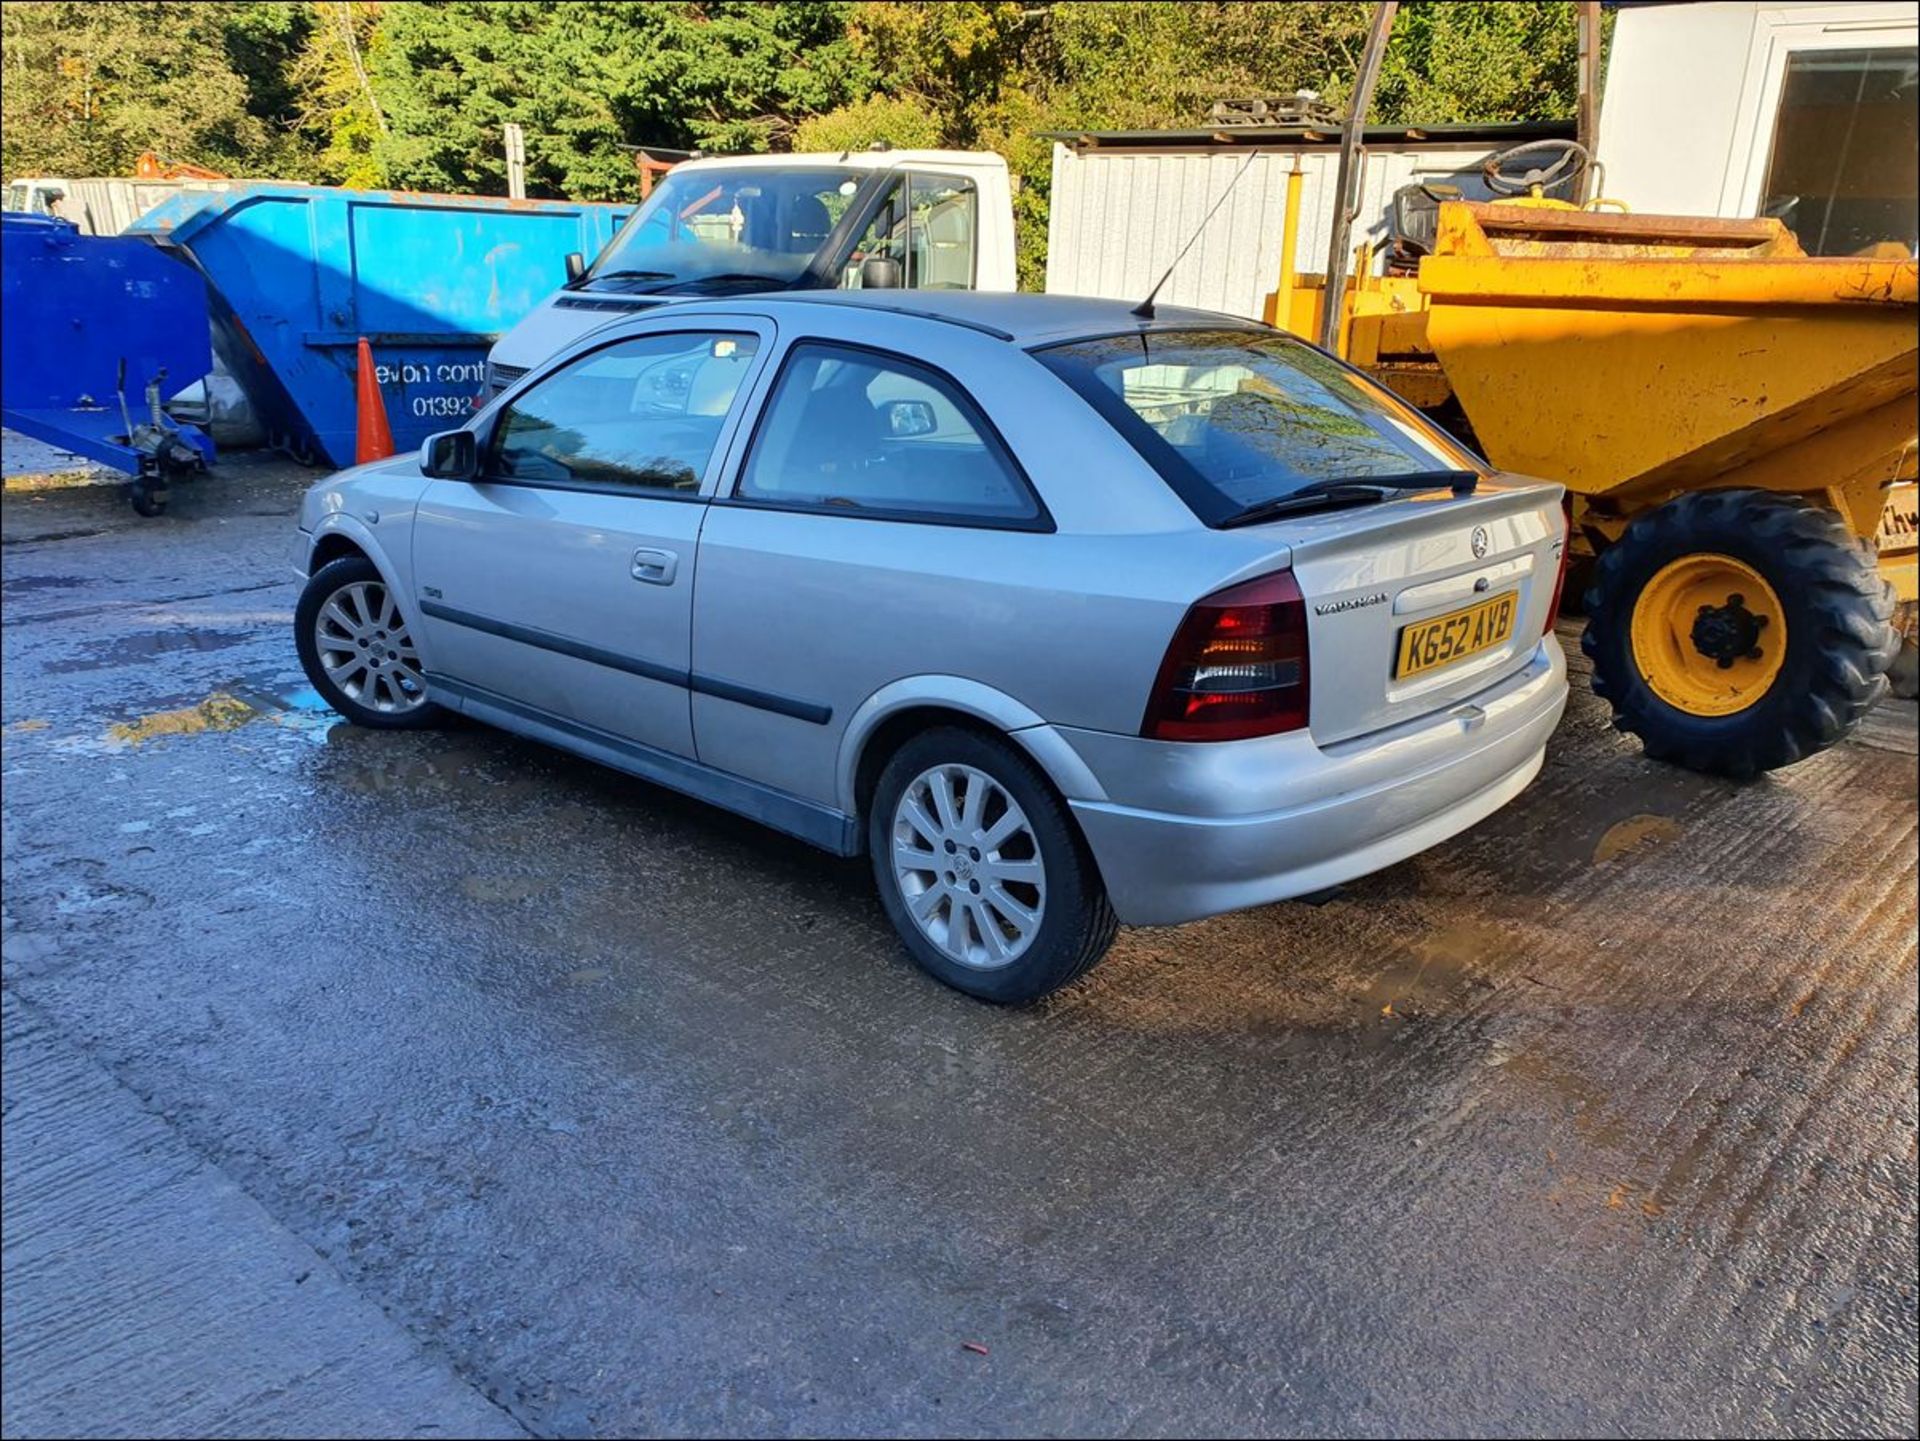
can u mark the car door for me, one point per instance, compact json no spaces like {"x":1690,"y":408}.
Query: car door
{"x":560,"y":579}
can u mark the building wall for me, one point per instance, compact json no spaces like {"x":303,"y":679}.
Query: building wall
{"x":1118,"y":218}
{"x":1686,"y":119}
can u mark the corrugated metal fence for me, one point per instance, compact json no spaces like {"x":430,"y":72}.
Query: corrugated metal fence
{"x":1118,"y":219}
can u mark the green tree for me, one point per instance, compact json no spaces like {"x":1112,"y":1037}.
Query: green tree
{"x":591,"y":80}
{"x":1480,"y":60}
{"x":879,"y":119}
{"x":338,"y":116}
{"x":89,"y":86}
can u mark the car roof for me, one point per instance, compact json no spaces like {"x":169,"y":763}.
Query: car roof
{"x":1025,"y":318}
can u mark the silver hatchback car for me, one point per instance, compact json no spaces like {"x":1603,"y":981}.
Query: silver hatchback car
{"x":1064,"y":616}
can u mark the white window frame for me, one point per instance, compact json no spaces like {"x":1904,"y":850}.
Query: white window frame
{"x":1777,"y":35}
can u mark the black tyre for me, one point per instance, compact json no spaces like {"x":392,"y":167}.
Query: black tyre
{"x":356,"y":648}
{"x":148,"y":500}
{"x":982,"y":870}
{"x":1737,"y":631}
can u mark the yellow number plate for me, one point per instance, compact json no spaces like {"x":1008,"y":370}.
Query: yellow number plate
{"x":1446,"y":638}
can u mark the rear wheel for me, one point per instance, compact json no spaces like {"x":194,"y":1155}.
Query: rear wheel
{"x":982,"y":871}
{"x":1736,"y":631}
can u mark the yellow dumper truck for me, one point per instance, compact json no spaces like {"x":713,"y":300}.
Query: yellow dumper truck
{"x":1734,"y":421}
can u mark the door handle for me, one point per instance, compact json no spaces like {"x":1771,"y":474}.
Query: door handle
{"x":655,"y":567}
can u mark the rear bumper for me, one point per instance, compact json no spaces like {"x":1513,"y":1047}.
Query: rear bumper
{"x":1186,"y":831}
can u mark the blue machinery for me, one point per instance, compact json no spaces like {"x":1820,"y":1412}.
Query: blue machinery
{"x":97,"y":331}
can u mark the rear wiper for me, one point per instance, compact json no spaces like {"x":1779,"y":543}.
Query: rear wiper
{"x":1460,"y":482}
{"x":1333,"y":493}
{"x":1314,"y":497}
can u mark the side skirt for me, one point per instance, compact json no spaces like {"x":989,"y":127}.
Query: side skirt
{"x":819,"y":825}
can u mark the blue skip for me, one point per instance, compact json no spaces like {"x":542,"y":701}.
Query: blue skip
{"x":299,"y":274}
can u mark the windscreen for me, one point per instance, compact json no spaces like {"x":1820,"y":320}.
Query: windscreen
{"x":732,"y":221}
{"x":1235,"y":418}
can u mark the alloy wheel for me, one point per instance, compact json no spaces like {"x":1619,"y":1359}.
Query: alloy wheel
{"x":968,"y":865}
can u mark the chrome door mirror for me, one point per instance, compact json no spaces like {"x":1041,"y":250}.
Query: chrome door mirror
{"x":576,"y":266}
{"x":450,"y":455}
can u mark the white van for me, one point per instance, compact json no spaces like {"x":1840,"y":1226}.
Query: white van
{"x":912,"y":219}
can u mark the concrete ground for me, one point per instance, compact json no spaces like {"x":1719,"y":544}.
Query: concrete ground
{"x":587,"y":1110}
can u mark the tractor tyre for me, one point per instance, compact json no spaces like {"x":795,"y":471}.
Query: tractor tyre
{"x":1737,"y":631}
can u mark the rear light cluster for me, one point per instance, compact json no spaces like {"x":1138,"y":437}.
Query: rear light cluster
{"x":1237,"y":667}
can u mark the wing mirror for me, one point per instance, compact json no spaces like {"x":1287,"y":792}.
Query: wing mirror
{"x":880,"y":272}
{"x":576,"y":266}
{"x":909,"y":418}
{"x":450,"y":455}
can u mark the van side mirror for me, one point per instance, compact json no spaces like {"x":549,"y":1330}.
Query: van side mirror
{"x":880,"y":272}
{"x":576,"y":266}
{"x":906,"y":418}
{"x":450,"y":455}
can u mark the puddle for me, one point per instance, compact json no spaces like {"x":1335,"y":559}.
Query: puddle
{"x":150,"y":645}
{"x":1635,"y":833}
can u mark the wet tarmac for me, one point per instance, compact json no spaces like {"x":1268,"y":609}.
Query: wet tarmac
{"x":1598,"y":1120}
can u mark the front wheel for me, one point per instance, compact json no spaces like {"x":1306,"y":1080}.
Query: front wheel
{"x":982,"y":871}
{"x":356,"y":647}
{"x":1737,"y":631}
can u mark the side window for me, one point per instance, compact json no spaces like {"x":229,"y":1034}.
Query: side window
{"x":885,"y":238}
{"x":849,"y":429}
{"x":1841,"y":175}
{"x":944,"y":210}
{"x":927,"y":226}
{"x":643,"y":415}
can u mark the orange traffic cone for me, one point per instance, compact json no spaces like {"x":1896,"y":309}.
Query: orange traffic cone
{"x":373,"y":437}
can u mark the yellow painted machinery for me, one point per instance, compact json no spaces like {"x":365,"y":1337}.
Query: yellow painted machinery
{"x":1734,"y":421}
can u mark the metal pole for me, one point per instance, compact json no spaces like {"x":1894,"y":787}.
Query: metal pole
{"x":1347,"y":183}
{"x":516,"y":163}
{"x":1289,"y":251}
{"x":1587,"y":126}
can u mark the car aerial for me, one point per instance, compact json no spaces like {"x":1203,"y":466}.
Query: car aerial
{"x":1064,"y":615}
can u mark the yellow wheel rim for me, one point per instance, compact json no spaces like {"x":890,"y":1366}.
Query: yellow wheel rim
{"x":1709,"y":634}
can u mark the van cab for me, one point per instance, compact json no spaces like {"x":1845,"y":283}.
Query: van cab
{"x":744,"y":224}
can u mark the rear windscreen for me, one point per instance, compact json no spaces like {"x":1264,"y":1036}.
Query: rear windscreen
{"x":1234,"y":418}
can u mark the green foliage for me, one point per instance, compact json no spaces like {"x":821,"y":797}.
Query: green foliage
{"x":416,"y":94}
{"x":1479,"y":60}
{"x":587,"y":79}
{"x":901,"y":124}
{"x":337,"y":115}
{"x":89,"y":86}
